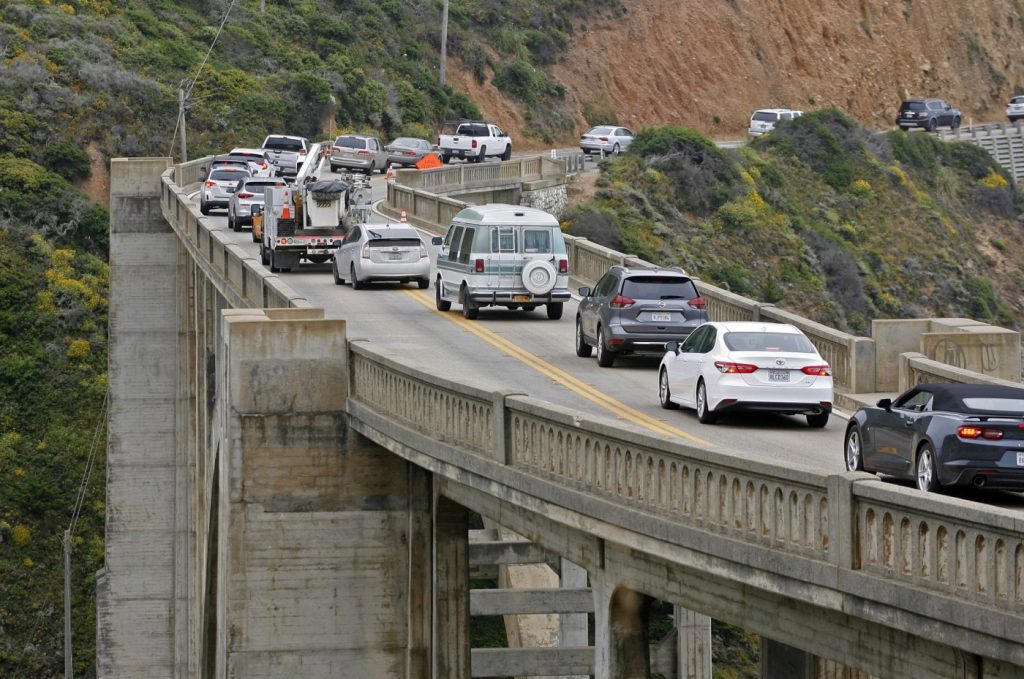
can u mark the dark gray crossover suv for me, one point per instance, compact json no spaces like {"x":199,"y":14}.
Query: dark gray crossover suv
{"x":637,"y":310}
{"x":927,"y":113}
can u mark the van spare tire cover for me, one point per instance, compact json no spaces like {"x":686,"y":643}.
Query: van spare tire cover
{"x":539,"y":276}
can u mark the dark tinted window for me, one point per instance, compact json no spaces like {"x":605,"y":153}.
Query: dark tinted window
{"x":912,"y":106}
{"x":473,"y":130}
{"x":350,"y":142}
{"x":283,"y":144}
{"x":659,"y":287}
{"x":708,"y":341}
{"x":394,"y":242}
{"x":232,"y":175}
{"x":606,"y":285}
{"x":936,"y":105}
{"x":467,"y":245}
{"x":769,"y":341}
{"x":766,"y":116}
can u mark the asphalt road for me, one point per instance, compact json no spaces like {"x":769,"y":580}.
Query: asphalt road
{"x":525,"y":351}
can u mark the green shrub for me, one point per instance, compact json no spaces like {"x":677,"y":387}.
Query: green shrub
{"x":67,"y":159}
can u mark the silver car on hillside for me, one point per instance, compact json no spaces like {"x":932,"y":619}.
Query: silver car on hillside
{"x":607,"y":139}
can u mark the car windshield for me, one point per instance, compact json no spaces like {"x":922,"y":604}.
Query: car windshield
{"x":769,"y":341}
{"x":601,"y":130}
{"x":283,"y":144}
{"x":765,"y":116}
{"x":350,"y":142}
{"x":226,"y":175}
{"x":995,"y":405}
{"x":912,"y":106}
{"x":659,"y":287}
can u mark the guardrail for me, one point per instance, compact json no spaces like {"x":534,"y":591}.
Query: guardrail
{"x":896,"y":539}
{"x":241,"y":277}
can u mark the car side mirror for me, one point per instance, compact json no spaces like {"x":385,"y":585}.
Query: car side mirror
{"x":672,"y":346}
{"x":584,"y":292}
{"x":885,"y":404}
{"x":257,"y":210}
{"x":437,"y":240}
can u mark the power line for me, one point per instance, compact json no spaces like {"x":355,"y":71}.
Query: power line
{"x":84,"y":485}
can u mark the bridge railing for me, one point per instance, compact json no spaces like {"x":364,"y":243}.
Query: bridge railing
{"x":242,"y":277}
{"x":916,"y":368}
{"x":873,"y":539}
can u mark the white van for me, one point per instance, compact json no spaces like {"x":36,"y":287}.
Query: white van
{"x":502,"y":255}
{"x":764,"y":120}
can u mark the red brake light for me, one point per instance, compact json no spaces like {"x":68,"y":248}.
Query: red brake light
{"x":563,"y":266}
{"x":474,"y":143}
{"x":817,"y":370}
{"x":621,"y":302}
{"x":604,"y":138}
{"x":478,"y":266}
{"x":363,"y":152}
{"x":209,"y":183}
{"x":698,"y":303}
{"x":246,"y":195}
{"x":336,"y":148}
{"x":728,"y":367}
{"x":969,"y":431}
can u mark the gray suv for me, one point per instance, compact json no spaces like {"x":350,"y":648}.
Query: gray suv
{"x":637,"y":310}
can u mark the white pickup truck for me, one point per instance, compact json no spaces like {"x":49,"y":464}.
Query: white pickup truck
{"x":285,"y":153}
{"x":473,"y":140}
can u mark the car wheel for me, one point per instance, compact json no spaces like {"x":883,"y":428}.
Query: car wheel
{"x":387,"y":166}
{"x":482,"y":156}
{"x":854,"y":448}
{"x":818,"y":420}
{"x":423,"y":283}
{"x":615,"y":150}
{"x":338,"y":280}
{"x":445,"y":158}
{"x":507,"y":155}
{"x":904,"y":128}
{"x":583,"y":350}
{"x":605,"y":356}
{"x":441,"y":304}
{"x":373,"y":167}
{"x":469,"y":308}
{"x":554,"y":310}
{"x":664,"y":394}
{"x":703,"y":414}
{"x":334,"y":168}
{"x":273,"y":266}
{"x":356,"y":283}
{"x":956,"y":124}
{"x":203,"y":208}
{"x":930,"y":125}
{"x":925,"y":472}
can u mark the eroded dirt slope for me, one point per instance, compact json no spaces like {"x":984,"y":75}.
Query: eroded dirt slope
{"x":708,"y":64}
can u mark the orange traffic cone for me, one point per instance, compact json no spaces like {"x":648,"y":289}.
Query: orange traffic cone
{"x":391,"y":172}
{"x":405,"y":217}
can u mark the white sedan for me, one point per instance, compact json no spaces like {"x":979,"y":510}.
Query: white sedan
{"x":763,"y":367}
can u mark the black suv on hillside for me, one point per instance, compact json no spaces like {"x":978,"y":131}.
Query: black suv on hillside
{"x":637,"y":309}
{"x":927,"y":113}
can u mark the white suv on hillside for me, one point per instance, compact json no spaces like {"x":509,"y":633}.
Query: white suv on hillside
{"x":763,"y":120}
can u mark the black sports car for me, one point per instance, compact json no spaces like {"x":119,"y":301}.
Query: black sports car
{"x":943,"y":435}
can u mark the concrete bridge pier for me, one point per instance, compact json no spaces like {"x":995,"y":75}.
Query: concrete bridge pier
{"x":451,"y":590}
{"x":621,"y":641}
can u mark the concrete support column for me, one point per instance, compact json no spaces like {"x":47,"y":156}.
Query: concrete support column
{"x":694,"y":630}
{"x":621,"y":643}
{"x":572,"y":626}
{"x":451,"y":590}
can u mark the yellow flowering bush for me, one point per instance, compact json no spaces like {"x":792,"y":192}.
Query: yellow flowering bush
{"x":79,"y":348}
{"x":21,"y":534}
{"x":993,"y":180}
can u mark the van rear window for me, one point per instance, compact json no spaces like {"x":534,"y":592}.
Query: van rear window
{"x":765,"y":116}
{"x":536,"y":240}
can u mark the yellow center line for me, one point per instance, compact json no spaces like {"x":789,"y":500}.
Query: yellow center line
{"x":560,"y":376}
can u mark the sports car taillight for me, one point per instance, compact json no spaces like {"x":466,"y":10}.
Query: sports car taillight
{"x":728,"y":367}
{"x":969,"y":431}
{"x":208,"y":184}
{"x":817,"y":370}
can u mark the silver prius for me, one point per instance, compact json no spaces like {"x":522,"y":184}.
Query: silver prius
{"x":381,"y":252}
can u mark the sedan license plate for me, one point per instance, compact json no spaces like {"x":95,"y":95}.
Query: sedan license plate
{"x":1020,"y":459}
{"x":661,"y":316}
{"x":520,"y":298}
{"x":778,"y":376}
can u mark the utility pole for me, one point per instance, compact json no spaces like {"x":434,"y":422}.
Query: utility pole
{"x":444,"y":38}
{"x":181,"y":121}
{"x":68,"y":670}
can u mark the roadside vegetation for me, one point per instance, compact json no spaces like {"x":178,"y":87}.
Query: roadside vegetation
{"x":821,"y":217}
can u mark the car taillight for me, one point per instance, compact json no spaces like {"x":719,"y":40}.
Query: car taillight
{"x":209,"y":184}
{"x":335,"y":149}
{"x":478,"y":266}
{"x":246,"y":195}
{"x":474,"y":143}
{"x":438,"y":140}
{"x":408,"y":153}
{"x":366,"y":251}
{"x":621,"y":302}
{"x":969,"y":431}
{"x":363,"y":152}
{"x":728,"y":367}
{"x":817,"y":370}
{"x":563,"y":266}
{"x":423,"y":251}
{"x":698,"y":303}
{"x":604,"y":138}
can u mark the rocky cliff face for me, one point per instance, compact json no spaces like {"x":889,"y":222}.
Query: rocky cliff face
{"x":708,"y":65}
